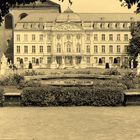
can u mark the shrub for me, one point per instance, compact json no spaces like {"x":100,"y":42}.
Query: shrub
{"x":112,"y":71}
{"x":32,"y":73}
{"x":30,"y":83}
{"x":1,"y":96}
{"x":72,"y":96}
{"x":11,"y":80}
{"x":128,"y":80}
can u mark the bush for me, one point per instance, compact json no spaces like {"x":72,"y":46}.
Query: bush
{"x":129,"y":80}
{"x":112,"y":71}
{"x":72,"y":96}
{"x":30,"y":83}
{"x":12,"y":80}
{"x":1,"y":96}
{"x":32,"y":73}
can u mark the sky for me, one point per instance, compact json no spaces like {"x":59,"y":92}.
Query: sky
{"x":96,"y":6}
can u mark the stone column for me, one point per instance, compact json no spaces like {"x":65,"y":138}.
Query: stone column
{"x":62,"y":66}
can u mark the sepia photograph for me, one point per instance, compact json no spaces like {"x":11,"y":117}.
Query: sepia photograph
{"x":69,"y":69}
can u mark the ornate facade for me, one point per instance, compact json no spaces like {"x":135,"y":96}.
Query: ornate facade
{"x":68,"y":39}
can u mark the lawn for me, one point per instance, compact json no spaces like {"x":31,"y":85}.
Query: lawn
{"x":75,"y":123}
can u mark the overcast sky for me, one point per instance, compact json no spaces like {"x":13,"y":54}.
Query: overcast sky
{"x":96,"y":6}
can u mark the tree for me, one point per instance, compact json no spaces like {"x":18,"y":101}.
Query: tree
{"x":134,"y":46}
{"x":5,"y":5}
{"x":130,"y":3}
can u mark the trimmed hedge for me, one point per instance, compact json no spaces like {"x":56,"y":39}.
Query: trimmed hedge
{"x":72,"y":96}
{"x":1,"y":96}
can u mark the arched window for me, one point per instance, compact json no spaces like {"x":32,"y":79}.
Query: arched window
{"x":23,"y":15}
{"x":78,"y":48}
{"x":8,"y":21}
{"x":69,"y":47}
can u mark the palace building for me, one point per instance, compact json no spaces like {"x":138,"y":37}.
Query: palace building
{"x":49,"y":38}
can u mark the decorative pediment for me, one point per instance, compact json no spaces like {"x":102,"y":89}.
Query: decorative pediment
{"x":66,"y":27}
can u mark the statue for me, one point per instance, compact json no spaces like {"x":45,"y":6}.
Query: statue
{"x":3,"y":65}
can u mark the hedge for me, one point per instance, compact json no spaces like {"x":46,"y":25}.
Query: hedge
{"x":1,"y":96}
{"x":72,"y":96}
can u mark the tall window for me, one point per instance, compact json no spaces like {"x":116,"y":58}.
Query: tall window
{"x":125,"y":37}
{"x":125,"y":48}
{"x":33,"y":37}
{"x":88,"y":49}
{"x":95,"y":49}
{"x":8,"y":21}
{"x":95,"y":60}
{"x":25,"y":49}
{"x":41,"y":37}
{"x":110,"y":49}
{"x":103,"y":49}
{"x":118,"y":37}
{"x":118,"y":49}
{"x":103,"y":37}
{"x":58,"y":48}
{"x":88,"y":60}
{"x":33,"y":49}
{"x":110,"y":37}
{"x":18,"y":37}
{"x":111,"y":60}
{"x":18,"y":49}
{"x":95,"y":37}
{"x":33,"y":60}
{"x":88,"y":37}
{"x":49,"y":60}
{"x":25,"y":37}
{"x":49,"y":49}
{"x":103,"y":59}
{"x":78,"y":48}
{"x":41,"y":59}
{"x":68,"y":48}
{"x":41,"y":49}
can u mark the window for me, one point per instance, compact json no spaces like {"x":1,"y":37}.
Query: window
{"x":103,"y":49}
{"x":25,"y":37}
{"x":58,"y":37}
{"x":95,"y":49}
{"x":95,"y":60}
{"x":102,"y":25}
{"x":18,"y":37}
{"x":125,"y":48}
{"x":25,"y":25}
{"x":33,"y":60}
{"x":118,"y":37}
{"x":125,"y":37}
{"x":68,"y":48}
{"x":18,"y":59}
{"x":110,"y":25}
{"x":103,"y":37}
{"x":18,"y":49}
{"x":49,"y":60}
{"x":58,"y":48}
{"x":88,"y":37}
{"x":117,"y":25}
{"x":103,"y":59}
{"x":88,"y":49}
{"x":33,"y":49}
{"x":78,"y":36}
{"x":49,"y":49}
{"x":110,"y":37}
{"x":8,"y":21}
{"x":118,"y":49}
{"x":41,"y":59}
{"x":41,"y":37}
{"x":25,"y":59}
{"x":95,"y":37}
{"x":25,"y":49}
{"x":111,"y":60}
{"x":88,"y":60}
{"x":78,"y":48}
{"x":23,"y":15}
{"x":68,"y":37}
{"x":125,"y":25}
{"x":41,"y":49}
{"x":33,"y":37}
{"x":111,"y":49}
{"x":118,"y":60}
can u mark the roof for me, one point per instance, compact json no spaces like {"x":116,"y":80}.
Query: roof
{"x":110,"y":17}
{"x":39,"y":4}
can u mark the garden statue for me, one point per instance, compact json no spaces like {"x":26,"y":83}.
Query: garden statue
{"x":138,"y":67}
{"x":132,"y":64}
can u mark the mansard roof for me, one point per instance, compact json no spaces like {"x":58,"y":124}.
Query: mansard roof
{"x":85,"y":17}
